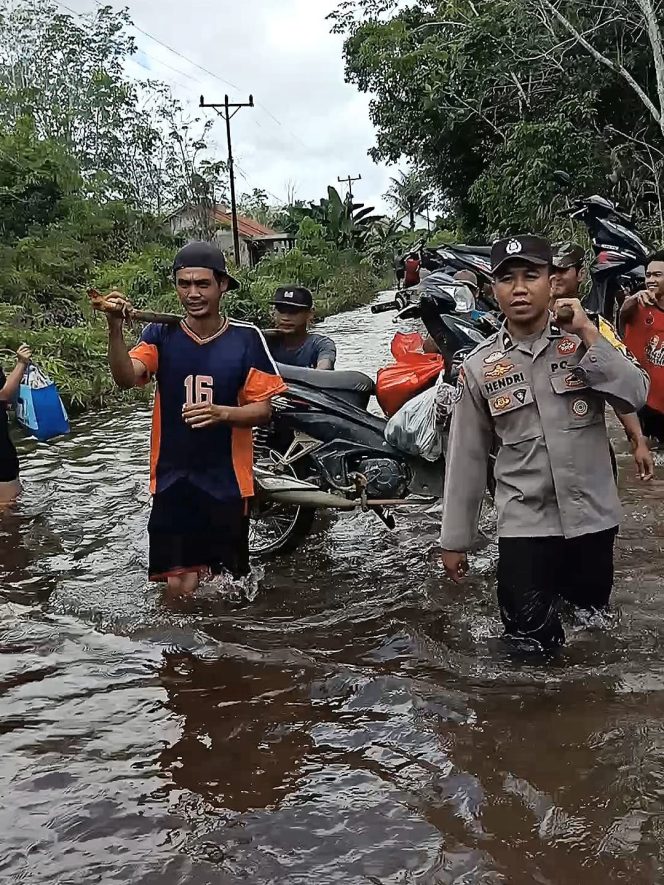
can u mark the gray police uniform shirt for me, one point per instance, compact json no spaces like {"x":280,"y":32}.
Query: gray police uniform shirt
{"x":315,"y":348}
{"x":544,"y":400}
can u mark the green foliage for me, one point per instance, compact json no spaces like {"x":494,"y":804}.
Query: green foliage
{"x":346,"y":225}
{"x":338,"y":279}
{"x":443,"y":237}
{"x":145,"y":278}
{"x":257,"y":205}
{"x":410,"y":193}
{"x":58,"y":242}
{"x":489,"y":98}
{"x":75,"y":358}
{"x":385,"y":241}
{"x":130,"y":140}
{"x":517,"y":191}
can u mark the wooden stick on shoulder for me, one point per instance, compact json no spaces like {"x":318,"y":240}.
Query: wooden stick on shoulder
{"x":100,"y":302}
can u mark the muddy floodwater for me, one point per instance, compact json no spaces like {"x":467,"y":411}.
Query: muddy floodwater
{"x":358,"y":722}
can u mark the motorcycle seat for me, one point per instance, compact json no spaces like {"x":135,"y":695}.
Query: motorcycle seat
{"x":354,"y":388}
{"x":482,"y":251}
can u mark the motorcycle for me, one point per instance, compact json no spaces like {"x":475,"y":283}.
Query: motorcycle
{"x":324,"y":450}
{"x":621,"y":254}
{"x":450,"y":259}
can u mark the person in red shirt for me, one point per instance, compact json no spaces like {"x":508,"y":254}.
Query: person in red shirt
{"x":642,"y":317}
{"x":412,"y":275}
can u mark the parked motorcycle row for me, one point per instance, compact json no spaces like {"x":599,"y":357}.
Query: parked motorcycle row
{"x":325,"y":451}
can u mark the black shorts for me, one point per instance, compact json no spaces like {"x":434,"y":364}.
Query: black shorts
{"x":8,"y":456}
{"x":652,"y":423}
{"x":191,"y":531}
{"x":8,"y":469}
{"x":535,"y":574}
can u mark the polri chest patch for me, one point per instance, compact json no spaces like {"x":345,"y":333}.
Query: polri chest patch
{"x":498,"y":370}
{"x":567,"y":347}
{"x":510,"y":401}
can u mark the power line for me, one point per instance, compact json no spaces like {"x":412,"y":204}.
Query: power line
{"x":189,"y":76}
{"x":179,"y":54}
{"x":228,"y":116}
{"x":209,"y":72}
{"x":349,"y":181}
{"x":134,"y":59}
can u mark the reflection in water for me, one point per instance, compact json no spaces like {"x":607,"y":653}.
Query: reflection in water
{"x":357,"y":723}
{"x":243,"y":737}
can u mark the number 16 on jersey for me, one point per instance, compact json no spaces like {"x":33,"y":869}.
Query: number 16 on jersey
{"x":198,"y":390}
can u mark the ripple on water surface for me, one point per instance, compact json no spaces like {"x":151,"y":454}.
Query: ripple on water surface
{"x":359,"y":722}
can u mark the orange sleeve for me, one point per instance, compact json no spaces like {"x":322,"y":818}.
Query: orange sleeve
{"x":146,"y":354}
{"x":260,"y":386}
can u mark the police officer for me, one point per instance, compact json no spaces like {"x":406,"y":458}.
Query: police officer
{"x":540,"y":386}
{"x":569,"y":274}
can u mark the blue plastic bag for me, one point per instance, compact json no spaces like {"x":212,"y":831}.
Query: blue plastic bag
{"x":39,"y":409}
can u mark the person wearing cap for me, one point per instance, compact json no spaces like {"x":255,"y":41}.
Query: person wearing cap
{"x":568,"y":276}
{"x":569,"y":272}
{"x":293,"y":344}
{"x":469,"y":279}
{"x":539,"y":386}
{"x":215,"y":379}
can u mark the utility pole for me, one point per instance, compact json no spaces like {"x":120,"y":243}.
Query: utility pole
{"x":228,"y":116}
{"x":349,"y":181}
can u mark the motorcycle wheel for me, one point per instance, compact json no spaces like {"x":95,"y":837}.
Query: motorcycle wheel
{"x":278,"y":528}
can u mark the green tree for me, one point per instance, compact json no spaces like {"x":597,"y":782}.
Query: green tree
{"x":409,"y":194}
{"x":257,"y":205}
{"x":131,"y":140}
{"x":346,"y":224}
{"x":454,"y":82}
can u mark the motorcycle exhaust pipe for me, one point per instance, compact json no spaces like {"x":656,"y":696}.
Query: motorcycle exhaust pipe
{"x":289,"y":490}
{"x":322,"y":500}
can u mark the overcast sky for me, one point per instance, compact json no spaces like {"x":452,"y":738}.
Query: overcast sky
{"x":308,"y":127}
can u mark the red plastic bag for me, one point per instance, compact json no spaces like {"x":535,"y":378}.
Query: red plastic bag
{"x":403,"y":346}
{"x":398,"y":383}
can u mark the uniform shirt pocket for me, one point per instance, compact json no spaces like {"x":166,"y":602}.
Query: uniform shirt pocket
{"x":514,"y":414}
{"x":581,"y":407}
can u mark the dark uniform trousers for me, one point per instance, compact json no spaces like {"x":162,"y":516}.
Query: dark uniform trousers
{"x":536,"y":574}
{"x":556,"y":498}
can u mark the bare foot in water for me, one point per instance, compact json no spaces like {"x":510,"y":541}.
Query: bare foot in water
{"x":182,"y":586}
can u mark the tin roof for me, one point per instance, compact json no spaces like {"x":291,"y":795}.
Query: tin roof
{"x":248,"y":228}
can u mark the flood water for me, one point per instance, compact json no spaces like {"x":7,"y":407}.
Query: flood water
{"x":358,"y":722}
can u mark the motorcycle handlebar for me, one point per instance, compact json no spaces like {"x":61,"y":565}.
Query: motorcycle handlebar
{"x":385,"y":307}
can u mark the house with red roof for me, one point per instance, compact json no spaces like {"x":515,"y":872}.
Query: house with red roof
{"x":256,"y":239}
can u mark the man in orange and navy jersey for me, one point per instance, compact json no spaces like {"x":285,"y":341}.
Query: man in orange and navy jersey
{"x":215,"y":379}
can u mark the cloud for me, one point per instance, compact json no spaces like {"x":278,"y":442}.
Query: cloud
{"x":308,"y":126}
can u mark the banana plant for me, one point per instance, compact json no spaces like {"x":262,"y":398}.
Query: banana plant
{"x":346,"y":224}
